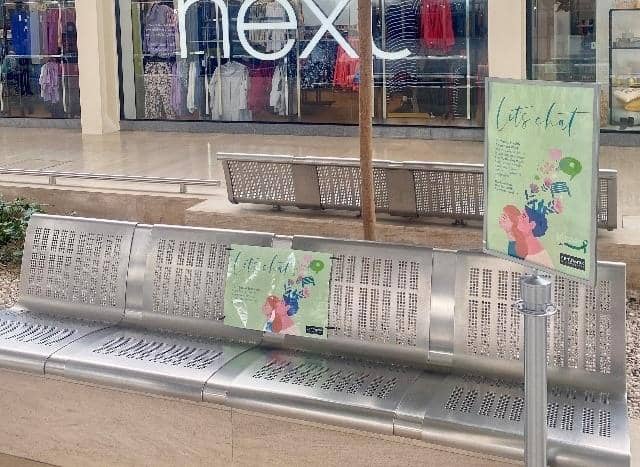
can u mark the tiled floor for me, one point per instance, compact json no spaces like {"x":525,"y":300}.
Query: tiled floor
{"x":193,"y":155}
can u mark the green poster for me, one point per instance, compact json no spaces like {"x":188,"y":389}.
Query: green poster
{"x":541,"y":175}
{"x":278,"y":290}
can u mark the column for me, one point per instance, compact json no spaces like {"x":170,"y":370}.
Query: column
{"x":507,"y":38}
{"x":98,"y":63}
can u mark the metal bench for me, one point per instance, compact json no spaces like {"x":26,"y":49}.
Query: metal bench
{"x":422,"y":343}
{"x":73,"y":282}
{"x":410,"y":189}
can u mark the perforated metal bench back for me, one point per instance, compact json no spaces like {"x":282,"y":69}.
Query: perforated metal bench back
{"x":585,"y":338}
{"x":184,"y":275}
{"x":433,"y":190}
{"x":378,"y":293}
{"x":76,"y":267}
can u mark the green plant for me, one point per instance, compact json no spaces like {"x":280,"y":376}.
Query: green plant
{"x":14,"y":218}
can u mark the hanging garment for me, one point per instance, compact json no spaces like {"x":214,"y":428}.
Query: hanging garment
{"x":157,"y":91}
{"x":50,"y":31}
{"x":192,"y":105}
{"x":318,"y":69}
{"x":35,"y":32}
{"x":347,"y":68}
{"x":50,"y":82}
{"x":277,"y":97}
{"x":437,"y":25}
{"x":401,"y":26}
{"x":21,"y":32}
{"x":260,"y":77}
{"x":160,"y":31}
{"x":228,"y":89}
{"x":277,"y":38}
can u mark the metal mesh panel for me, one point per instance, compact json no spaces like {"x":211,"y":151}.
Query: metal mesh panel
{"x":340,"y":187}
{"x":75,"y":266}
{"x":603,"y":201}
{"x":187,"y":269}
{"x":262,"y":182}
{"x":581,"y":336}
{"x":449,"y":193}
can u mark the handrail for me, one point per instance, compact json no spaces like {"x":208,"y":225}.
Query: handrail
{"x":53,"y":176}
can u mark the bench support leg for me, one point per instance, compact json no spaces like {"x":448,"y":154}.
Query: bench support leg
{"x":535,"y":306}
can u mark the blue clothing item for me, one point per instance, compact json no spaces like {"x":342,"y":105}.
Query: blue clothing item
{"x":21,"y":32}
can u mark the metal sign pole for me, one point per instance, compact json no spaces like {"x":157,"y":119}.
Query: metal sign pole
{"x":535,"y":306}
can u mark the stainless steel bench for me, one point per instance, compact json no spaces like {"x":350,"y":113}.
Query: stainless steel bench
{"x":422,"y":343}
{"x":413,"y":189}
{"x":73,"y":282}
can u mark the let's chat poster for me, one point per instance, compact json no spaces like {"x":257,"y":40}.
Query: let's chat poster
{"x":278,"y":290}
{"x":541,"y":175}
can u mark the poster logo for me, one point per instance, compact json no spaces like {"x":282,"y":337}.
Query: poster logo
{"x":572,"y":262}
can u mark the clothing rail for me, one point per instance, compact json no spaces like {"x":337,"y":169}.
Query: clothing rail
{"x":52,"y":176}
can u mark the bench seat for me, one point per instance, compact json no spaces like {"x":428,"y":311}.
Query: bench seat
{"x":27,"y":340}
{"x":154,"y":362}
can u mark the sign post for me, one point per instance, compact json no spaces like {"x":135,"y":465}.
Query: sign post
{"x":541,"y":167}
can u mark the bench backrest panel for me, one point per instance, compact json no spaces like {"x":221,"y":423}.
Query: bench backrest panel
{"x":76,"y":267}
{"x":185,"y":272}
{"x":270,"y":182}
{"x":451,"y":193}
{"x":378,"y":293}
{"x":585,"y":338}
{"x":340,"y":187}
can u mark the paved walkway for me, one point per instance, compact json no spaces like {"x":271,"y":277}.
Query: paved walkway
{"x":193,"y":155}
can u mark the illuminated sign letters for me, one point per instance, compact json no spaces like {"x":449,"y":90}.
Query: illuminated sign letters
{"x":326,"y":26}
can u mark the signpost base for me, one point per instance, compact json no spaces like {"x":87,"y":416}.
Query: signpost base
{"x":535,"y":306}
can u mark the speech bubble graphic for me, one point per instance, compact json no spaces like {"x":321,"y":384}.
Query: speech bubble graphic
{"x":316,"y":265}
{"x":570,"y":166}
{"x":555,"y":154}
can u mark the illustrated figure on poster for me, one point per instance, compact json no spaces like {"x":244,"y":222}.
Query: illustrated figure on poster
{"x":525,"y":227}
{"x":279,"y":311}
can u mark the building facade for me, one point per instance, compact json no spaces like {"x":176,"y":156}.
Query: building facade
{"x":223,"y":63}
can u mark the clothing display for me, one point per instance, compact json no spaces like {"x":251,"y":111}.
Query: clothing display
{"x":158,"y":102}
{"x":21,"y":32}
{"x":50,"y":82}
{"x":260,"y":77}
{"x":160,"y":29}
{"x":401,"y":21}
{"x":228,"y":92}
{"x":318,"y":69}
{"x":278,"y":95}
{"x":346,"y":69}
{"x":437,"y":25}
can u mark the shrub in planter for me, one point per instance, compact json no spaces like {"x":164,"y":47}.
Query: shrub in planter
{"x":14,"y":218}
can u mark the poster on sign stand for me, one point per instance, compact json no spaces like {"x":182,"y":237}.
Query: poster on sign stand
{"x":278,"y":290}
{"x":541,"y":175}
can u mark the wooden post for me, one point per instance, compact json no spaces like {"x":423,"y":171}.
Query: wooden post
{"x":367,"y":191}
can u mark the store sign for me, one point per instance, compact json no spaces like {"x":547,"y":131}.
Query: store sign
{"x":291,"y":24}
{"x":278,"y":290}
{"x":541,"y":175}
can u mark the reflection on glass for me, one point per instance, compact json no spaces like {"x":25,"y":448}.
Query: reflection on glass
{"x":39,"y":59}
{"x":563,"y":40}
{"x":296,"y":60}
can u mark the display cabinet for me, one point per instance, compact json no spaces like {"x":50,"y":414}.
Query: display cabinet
{"x":624,"y":67}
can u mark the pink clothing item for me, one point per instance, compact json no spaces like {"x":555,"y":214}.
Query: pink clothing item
{"x":50,"y":82}
{"x":259,"y":87}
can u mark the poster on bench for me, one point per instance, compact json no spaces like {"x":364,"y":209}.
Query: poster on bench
{"x":278,"y":290}
{"x":541,"y":169}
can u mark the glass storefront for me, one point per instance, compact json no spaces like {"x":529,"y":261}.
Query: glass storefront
{"x":590,"y":41}
{"x":296,"y":60}
{"x":39,"y":59}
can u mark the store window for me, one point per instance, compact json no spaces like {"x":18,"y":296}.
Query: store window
{"x":213,"y":60}
{"x":39,"y":59}
{"x":590,"y":41}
